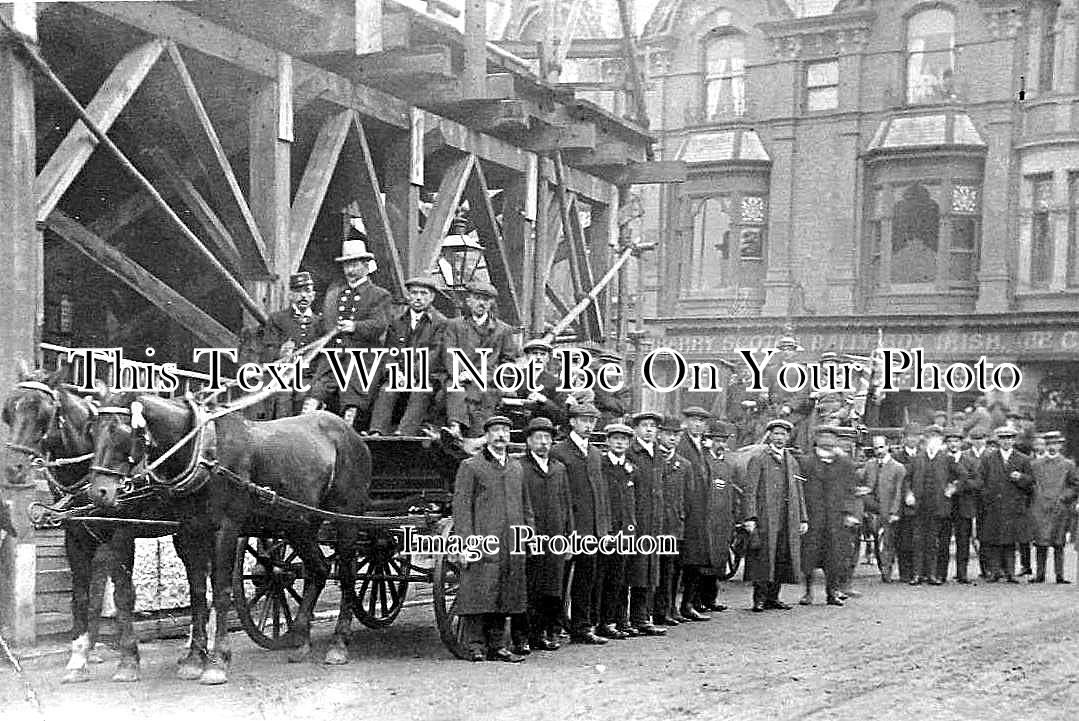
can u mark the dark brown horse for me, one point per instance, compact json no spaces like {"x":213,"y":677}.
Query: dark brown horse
{"x":49,"y":427}
{"x":315,"y":459}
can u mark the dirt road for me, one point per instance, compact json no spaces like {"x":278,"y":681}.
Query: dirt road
{"x":993,"y":651}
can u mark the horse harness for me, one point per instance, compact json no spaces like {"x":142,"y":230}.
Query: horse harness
{"x":40,"y":460}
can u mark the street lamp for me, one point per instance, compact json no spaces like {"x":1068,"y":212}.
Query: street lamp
{"x":460,"y":255}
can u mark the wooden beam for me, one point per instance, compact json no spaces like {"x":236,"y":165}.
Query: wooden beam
{"x":320,"y":168}
{"x":572,"y":136}
{"x":404,"y":180}
{"x":367,"y":191}
{"x":218,"y":163}
{"x":474,"y":76}
{"x":656,"y":171}
{"x":427,"y":61}
{"x":217,"y":235}
{"x":575,"y":270}
{"x":75,"y":149}
{"x":434,"y":231}
{"x":548,"y":238}
{"x":494,"y":250}
{"x":312,"y":83}
{"x":559,"y":304}
{"x":142,"y":281}
{"x":368,"y":26}
{"x":592,"y":317}
{"x":438,"y":94}
{"x":579,"y":48}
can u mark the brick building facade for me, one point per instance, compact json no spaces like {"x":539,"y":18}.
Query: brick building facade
{"x":905,"y":165}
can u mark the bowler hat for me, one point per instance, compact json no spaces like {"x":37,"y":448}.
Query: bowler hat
{"x":298,"y":281}
{"x":496,"y":421}
{"x":613,"y":428}
{"x":780,"y":423}
{"x":583,"y":410}
{"x":645,"y":415}
{"x":420,"y":281}
{"x":696,"y":412}
{"x":354,"y":250}
{"x":539,"y":424}
{"x":479,"y":287}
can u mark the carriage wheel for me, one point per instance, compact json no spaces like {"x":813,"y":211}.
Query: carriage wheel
{"x":381,"y":582}
{"x":445,"y":582}
{"x":267,"y":588}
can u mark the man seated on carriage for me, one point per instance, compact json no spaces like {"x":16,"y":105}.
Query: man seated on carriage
{"x":360,"y":311}
{"x":613,"y":405}
{"x":290,"y":328}
{"x":418,"y":326}
{"x":468,"y":405}
{"x":547,"y":401}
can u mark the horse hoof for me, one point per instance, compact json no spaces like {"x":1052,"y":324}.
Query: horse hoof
{"x":213,"y":676}
{"x":189,"y":671}
{"x":76,"y":675}
{"x":126,"y":674}
{"x":300,"y":654}
{"x":336,"y":656}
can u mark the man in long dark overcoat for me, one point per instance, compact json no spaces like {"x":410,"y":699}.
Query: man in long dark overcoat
{"x":489,"y":497}
{"x":775,"y":512}
{"x":642,"y":570}
{"x":723,"y":501}
{"x":696,"y":551}
{"x":965,"y":486}
{"x":621,"y":477}
{"x":1056,"y":485}
{"x":830,"y":482}
{"x":904,"y":541}
{"x":930,"y":476}
{"x":591,"y":506}
{"x":1006,"y":488}
{"x":675,"y":474}
{"x":546,"y":486}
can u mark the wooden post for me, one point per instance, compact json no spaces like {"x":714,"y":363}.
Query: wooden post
{"x":404,"y":179}
{"x":474,"y":77}
{"x":22,"y":247}
{"x":270,"y":133}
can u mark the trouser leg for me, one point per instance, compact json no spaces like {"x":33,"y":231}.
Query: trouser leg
{"x":415,"y":413}
{"x":1007,"y":560}
{"x":1058,"y":561}
{"x":661,"y":602}
{"x":1041,"y":555}
{"x":382,"y":410}
{"x":494,"y":628}
{"x":905,"y":546}
{"x":582,"y":593}
{"x":690,"y":588}
{"x":887,"y":549}
{"x":708,"y":591}
{"x":1024,"y":557}
{"x":944,"y":548}
{"x":963,"y":531}
{"x":640,"y":604}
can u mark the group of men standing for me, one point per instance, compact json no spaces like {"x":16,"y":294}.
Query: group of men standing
{"x":658,"y":476}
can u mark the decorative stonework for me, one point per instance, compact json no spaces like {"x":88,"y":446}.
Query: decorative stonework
{"x":820,"y":36}
{"x":659,"y":61}
{"x":1005,"y":24}
{"x":965,"y":199}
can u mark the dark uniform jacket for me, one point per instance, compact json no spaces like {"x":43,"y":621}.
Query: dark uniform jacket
{"x":829,"y":494}
{"x":263,"y":345}
{"x":589,"y":498}
{"x":368,"y":306}
{"x":429,"y":335}
{"x":968,"y":484}
{"x":723,"y":504}
{"x":1005,"y":500}
{"x":621,"y":483}
{"x":929,"y":478}
{"x":887,"y":486}
{"x":641,"y":569}
{"x":907,"y":459}
{"x":676,"y":475}
{"x":554,"y":407}
{"x":487,"y":500}
{"x":695,"y":547}
{"x":463,"y":333}
{"x":552,"y":515}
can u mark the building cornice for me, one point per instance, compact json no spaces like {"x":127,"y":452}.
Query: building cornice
{"x":839,"y":33}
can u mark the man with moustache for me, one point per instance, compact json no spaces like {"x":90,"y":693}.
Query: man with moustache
{"x":1056,"y":485}
{"x":931,"y":474}
{"x":963,"y":491}
{"x":591,"y":516}
{"x":476,"y":329}
{"x":642,"y":570}
{"x":360,"y":311}
{"x":722,"y":501}
{"x":904,"y":537}
{"x":775,"y":511}
{"x":885,"y":478}
{"x":830,"y":503}
{"x":546,"y":486}
{"x":973,"y":456}
{"x":547,"y":401}
{"x":695,"y":555}
{"x":489,"y":498}
{"x":675,"y":475}
{"x":621,"y":477}
{"x":1006,"y":486}
{"x":288,"y":329}
{"x":418,"y":326}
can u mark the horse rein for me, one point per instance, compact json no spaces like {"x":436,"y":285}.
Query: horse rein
{"x":38,"y":459}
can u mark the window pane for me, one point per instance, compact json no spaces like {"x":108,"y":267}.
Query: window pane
{"x":963,"y":234}
{"x":932,"y":30}
{"x":819,"y":74}
{"x":964,"y":243}
{"x":1041,"y":250}
{"x":711,"y":244}
{"x":725,"y":55}
{"x":931,"y":56}
{"x":915,"y":236}
{"x":751,"y":244}
{"x":822,"y":98}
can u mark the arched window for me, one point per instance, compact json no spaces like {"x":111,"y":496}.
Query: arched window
{"x":724,"y":76}
{"x":931,"y":56}
{"x":915,"y":237}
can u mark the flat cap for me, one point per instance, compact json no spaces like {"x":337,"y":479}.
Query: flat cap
{"x":977,"y":433}
{"x":539,"y":424}
{"x":479,"y":287}
{"x":780,"y":423}
{"x":933,"y":430}
{"x":583,"y":409}
{"x":421,"y":282}
{"x":952,"y":432}
{"x":613,"y":428}
{"x":1054,"y":437}
{"x":645,"y":415}
{"x":912,"y":429}
{"x":303,"y":279}
{"x":696,"y":412}
{"x":670,"y":423}
{"x":1005,"y":432}
{"x":496,"y":421}
{"x":537,"y":344}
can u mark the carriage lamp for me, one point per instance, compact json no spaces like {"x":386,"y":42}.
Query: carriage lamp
{"x":460,"y":255}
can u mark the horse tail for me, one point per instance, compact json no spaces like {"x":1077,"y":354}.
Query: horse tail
{"x":353,"y":468}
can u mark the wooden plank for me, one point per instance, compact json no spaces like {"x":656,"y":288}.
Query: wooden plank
{"x":578,"y":48}
{"x":574,"y":135}
{"x":53,"y":581}
{"x":312,"y":83}
{"x":249,"y":235}
{"x":404,"y":180}
{"x":143,"y":282}
{"x":474,"y":76}
{"x":368,"y":193}
{"x":467,"y":140}
{"x":368,"y":26}
{"x":656,"y":171}
{"x":494,"y":249}
{"x":75,"y":149}
{"x":434,"y":231}
{"x":592,"y":318}
{"x":216,"y":234}
{"x":557,"y":302}
{"x":575,"y":256}
{"x":398,"y":63}
{"x":316,"y":179}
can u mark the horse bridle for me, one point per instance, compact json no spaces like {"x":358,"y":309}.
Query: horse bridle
{"x":140,"y":443}
{"x":38,"y":458}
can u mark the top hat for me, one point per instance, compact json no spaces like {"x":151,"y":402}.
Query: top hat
{"x":301,"y":280}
